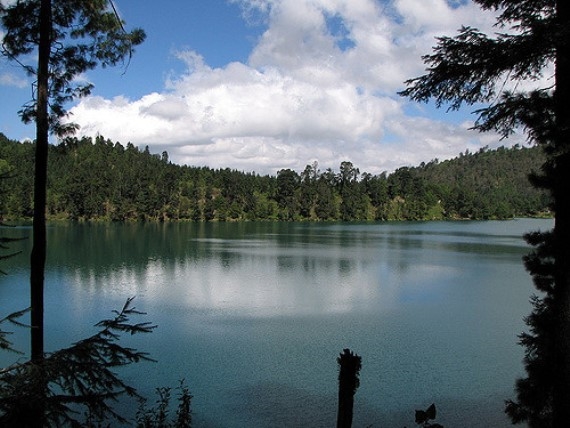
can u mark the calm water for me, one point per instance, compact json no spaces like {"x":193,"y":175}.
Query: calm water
{"x":254,"y":315}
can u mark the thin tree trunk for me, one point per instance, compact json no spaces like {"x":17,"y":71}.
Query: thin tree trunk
{"x":38,"y":254}
{"x":561,"y":193}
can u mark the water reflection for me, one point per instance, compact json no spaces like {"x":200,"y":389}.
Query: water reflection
{"x":272,"y":269}
{"x":266,"y":285}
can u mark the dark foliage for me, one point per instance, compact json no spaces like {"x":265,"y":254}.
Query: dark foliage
{"x":75,"y":384}
{"x":474,"y":68}
{"x":158,"y":415}
{"x":83,"y":36}
{"x":5,"y":344}
{"x":423,"y":417}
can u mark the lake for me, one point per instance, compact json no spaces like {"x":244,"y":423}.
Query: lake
{"x":254,"y":315}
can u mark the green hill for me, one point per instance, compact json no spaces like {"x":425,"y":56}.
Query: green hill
{"x":98,"y":179}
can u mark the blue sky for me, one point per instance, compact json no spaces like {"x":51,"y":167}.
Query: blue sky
{"x":261,"y":85}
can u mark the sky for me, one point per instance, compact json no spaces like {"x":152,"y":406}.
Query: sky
{"x":265,"y":85}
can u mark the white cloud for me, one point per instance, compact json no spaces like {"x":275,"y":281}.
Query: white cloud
{"x":9,"y":79}
{"x":307,"y":92}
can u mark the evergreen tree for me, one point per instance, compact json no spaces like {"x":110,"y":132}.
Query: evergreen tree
{"x":308,"y":190}
{"x":287,"y":184}
{"x":487,"y":184}
{"x":475,"y":68}
{"x":70,"y":37}
{"x":73,"y":382}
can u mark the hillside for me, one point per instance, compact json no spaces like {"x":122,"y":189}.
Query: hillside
{"x":98,"y":179}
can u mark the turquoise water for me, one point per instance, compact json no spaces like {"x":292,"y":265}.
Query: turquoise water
{"x":253,"y":315}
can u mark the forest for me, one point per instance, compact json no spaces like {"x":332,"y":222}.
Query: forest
{"x":97,"y":179}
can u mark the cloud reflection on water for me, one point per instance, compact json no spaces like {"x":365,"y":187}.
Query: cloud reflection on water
{"x":257,"y":278}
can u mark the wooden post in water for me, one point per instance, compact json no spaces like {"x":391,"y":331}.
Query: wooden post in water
{"x":348,"y":382}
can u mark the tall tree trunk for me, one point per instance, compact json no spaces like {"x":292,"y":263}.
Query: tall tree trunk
{"x":561,"y":194}
{"x":38,"y":254}
{"x":348,"y":383}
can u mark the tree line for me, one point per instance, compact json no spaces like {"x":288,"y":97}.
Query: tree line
{"x":96,"y":179}
{"x":472,"y":68}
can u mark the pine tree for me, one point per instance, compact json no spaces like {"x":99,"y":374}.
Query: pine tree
{"x":67,"y":38}
{"x":75,"y":382}
{"x":474,"y":68}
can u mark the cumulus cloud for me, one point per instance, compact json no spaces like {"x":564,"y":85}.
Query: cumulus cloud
{"x":320,"y":84}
